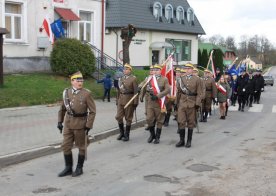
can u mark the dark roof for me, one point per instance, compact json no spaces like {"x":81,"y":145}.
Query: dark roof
{"x":120,"y":13}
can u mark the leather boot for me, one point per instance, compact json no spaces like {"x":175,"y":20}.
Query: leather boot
{"x":121,"y":135}
{"x":189,"y":140}
{"x":68,"y":166}
{"x":239,"y":107}
{"x":78,"y":170}
{"x":167,"y":119}
{"x":152,"y":135}
{"x":205,"y":117}
{"x":226,"y":111}
{"x":126,"y":135}
{"x":182,"y":138}
{"x":157,"y":136}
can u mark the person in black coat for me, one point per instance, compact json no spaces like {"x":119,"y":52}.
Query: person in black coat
{"x":250,"y":88}
{"x":259,"y":87}
{"x":241,"y":90}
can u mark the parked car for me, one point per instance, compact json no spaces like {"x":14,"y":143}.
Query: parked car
{"x":268,"y":80}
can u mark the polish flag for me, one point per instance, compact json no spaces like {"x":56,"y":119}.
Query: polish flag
{"x":168,"y":72}
{"x":156,"y":91}
{"x":47,"y":28}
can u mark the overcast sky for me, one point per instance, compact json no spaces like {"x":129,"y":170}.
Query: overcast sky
{"x":237,"y":17}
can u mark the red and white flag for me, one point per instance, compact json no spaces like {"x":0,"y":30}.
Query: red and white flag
{"x":48,"y":29}
{"x":168,"y":72}
{"x":156,"y":91}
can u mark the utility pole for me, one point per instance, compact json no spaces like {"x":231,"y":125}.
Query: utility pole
{"x":2,"y":32}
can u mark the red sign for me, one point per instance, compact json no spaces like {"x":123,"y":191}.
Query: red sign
{"x":59,"y":1}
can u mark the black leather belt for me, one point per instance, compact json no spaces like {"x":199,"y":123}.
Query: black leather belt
{"x":208,"y":89}
{"x":190,"y":94}
{"x":78,"y":115}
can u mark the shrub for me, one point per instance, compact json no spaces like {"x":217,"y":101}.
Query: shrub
{"x":70,"y":55}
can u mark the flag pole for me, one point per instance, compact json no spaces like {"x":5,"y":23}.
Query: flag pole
{"x":211,"y":54}
{"x":134,"y":96}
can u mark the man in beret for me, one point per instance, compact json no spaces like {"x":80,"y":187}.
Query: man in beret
{"x":78,"y":112}
{"x":259,"y":86}
{"x":128,"y":87}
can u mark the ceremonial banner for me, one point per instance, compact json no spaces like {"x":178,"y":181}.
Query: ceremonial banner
{"x":168,"y":72}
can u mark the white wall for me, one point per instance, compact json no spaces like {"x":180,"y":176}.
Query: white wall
{"x":35,"y":16}
{"x":141,"y":54}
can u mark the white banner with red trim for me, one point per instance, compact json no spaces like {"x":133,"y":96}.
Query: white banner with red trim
{"x":156,"y":91}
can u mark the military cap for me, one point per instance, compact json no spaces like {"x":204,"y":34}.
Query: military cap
{"x":156,"y":66}
{"x":207,"y":70}
{"x":182,"y":70}
{"x":188,"y":65}
{"x":77,"y":75}
{"x":195,"y":69}
{"x":128,"y":66}
{"x":151,"y":67}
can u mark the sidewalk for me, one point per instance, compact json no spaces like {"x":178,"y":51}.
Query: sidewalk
{"x":28,"y":129}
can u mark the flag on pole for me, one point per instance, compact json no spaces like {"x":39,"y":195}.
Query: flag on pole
{"x":156,"y":91}
{"x":211,"y":65}
{"x":168,"y":72}
{"x":57,"y":29}
{"x":48,"y":29}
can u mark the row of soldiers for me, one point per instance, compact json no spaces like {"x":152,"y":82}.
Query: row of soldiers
{"x":78,"y":110}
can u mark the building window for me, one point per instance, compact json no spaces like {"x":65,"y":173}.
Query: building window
{"x":14,"y":21}
{"x":169,"y":13}
{"x":190,"y":16}
{"x":85,"y":26}
{"x":157,"y":11}
{"x":182,"y":49}
{"x":180,"y":14}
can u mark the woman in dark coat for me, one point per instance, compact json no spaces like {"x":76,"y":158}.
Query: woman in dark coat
{"x":224,"y":94}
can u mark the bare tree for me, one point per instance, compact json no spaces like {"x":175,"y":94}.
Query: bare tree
{"x":127,"y":34}
{"x":230,"y":43}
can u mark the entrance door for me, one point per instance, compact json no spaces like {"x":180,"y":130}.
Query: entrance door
{"x":155,"y":57}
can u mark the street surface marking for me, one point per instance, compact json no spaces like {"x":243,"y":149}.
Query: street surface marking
{"x":274,"y":109}
{"x":256,"y":108}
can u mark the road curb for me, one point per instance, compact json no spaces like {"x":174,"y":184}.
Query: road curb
{"x":19,"y":157}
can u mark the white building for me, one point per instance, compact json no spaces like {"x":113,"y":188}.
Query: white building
{"x":27,"y":47}
{"x":162,"y":25}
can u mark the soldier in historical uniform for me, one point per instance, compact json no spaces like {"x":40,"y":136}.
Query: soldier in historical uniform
{"x":78,"y":112}
{"x":203,"y":92}
{"x":188,"y":101}
{"x":143,"y":93}
{"x":128,"y":87}
{"x":155,"y":115}
{"x":210,"y":93}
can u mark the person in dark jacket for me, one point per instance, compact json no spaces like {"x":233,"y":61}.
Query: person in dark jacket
{"x":218,"y":75}
{"x":107,"y":82}
{"x":241,"y":90}
{"x":250,"y":88}
{"x":233,"y":85}
{"x":259,"y":87}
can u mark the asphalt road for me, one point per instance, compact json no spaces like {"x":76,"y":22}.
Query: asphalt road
{"x":233,"y":157}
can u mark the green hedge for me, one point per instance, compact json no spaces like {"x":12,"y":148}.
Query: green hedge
{"x":70,"y":55}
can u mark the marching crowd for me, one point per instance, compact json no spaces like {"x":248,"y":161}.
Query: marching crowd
{"x":184,"y":95}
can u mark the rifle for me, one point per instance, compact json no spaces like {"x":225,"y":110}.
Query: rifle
{"x":85,"y":143}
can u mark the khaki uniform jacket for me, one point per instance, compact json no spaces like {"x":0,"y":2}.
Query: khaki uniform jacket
{"x":164,"y":87}
{"x":128,"y":87}
{"x":211,"y":89}
{"x":80,"y":103}
{"x":194,"y":86}
{"x":203,"y":88}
